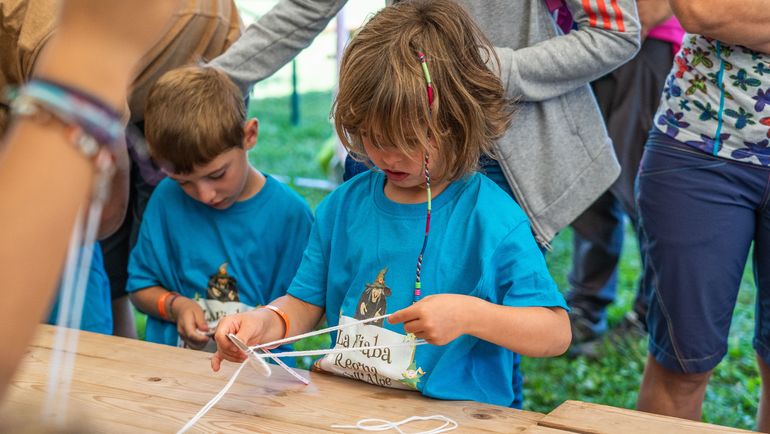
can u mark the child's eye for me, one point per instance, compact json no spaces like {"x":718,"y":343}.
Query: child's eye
{"x":217,"y":175}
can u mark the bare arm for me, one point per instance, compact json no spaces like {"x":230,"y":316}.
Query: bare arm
{"x":44,"y":180}
{"x":530,"y":331}
{"x":115,"y":208}
{"x":742,"y":22}
{"x":652,"y":13}
{"x":263,"y":325}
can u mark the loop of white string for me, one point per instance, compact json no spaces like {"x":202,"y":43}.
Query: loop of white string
{"x":256,"y":355}
{"x":385,"y":425}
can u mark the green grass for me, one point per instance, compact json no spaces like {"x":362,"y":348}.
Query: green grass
{"x":614,"y":377}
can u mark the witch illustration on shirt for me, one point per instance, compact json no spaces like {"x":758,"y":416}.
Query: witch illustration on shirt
{"x":390,"y":367}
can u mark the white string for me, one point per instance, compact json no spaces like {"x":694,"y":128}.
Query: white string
{"x":266,"y":354}
{"x":72,"y":296}
{"x":213,"y":401}
{"x":79,"y":296}
{"x":336,"y":350}
{"x":385,"y":425}
{"x":62,"y":317}
{"x":317,"y":332}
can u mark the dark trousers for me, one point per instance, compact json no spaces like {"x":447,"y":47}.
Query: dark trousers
{"x":628,"y":98}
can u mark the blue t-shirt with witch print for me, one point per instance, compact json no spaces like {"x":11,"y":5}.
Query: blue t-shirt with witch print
{"x":360,"y":263}
{"x":227,"y":260}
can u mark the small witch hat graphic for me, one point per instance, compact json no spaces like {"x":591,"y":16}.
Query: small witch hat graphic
{"x":372,"y":302}
{"x":222,"y":286}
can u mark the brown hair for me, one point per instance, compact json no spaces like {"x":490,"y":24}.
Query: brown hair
{"x":383,"y":91}
{"x":193,"y":114}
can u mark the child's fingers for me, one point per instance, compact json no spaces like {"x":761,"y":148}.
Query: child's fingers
{"x":415,"y":327}
{"x":216,"y":362}
{"x":220,"y":356}
{"x":188,"y":330}
{"x":410,"y":313}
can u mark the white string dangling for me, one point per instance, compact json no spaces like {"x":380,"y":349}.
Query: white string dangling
{"x":72,"y":297}
{"x":213,"y":401}
{"x":374,"y":424}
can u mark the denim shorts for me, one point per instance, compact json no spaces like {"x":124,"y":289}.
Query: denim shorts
{"x":698,"y":216}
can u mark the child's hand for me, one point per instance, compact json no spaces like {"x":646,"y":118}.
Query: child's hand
{"x":438,"y":319}
{"x":191,"y":323}
{"x":248,"y":326}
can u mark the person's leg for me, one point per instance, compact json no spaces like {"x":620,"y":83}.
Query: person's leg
{"x":763,"y":410}
{"x":597,"y":242}
{"x":653,"y":63}
{"x":671,"y":393}
{"x":761,"y":261}
{"x":694,"y":264}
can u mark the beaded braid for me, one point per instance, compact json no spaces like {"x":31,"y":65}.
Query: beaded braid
{"x":417,"y":282}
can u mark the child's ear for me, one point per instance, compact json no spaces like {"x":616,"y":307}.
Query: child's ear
{"x":250,"y":133}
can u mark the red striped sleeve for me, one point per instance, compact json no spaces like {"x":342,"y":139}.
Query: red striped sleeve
{"x":607,"y":23}
{"x":618,"y":16}
{"x":590,"y":12}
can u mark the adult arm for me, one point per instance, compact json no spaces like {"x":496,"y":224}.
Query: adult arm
{"x":117,"y":202}
{"x":606,"y":37}
{"x":742,"y":22}
{"x":277,"y":37}
{"x":44,"y":180}
{"x":652,"y":13}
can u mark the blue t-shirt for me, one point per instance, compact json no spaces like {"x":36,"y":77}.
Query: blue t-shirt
{"x":228,"y":260}
{"x":97,"y":306}
{"x":360,"y":263}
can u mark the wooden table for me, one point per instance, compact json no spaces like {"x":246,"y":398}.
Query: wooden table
{"x":583,"y":417}
{"x":124,"y":385}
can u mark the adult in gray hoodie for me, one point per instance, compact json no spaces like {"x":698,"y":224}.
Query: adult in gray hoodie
{"x":556,"y":157}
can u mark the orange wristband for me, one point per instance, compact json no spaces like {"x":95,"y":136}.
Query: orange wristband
{"x":162,"y":303}
{"x":283,"y":316}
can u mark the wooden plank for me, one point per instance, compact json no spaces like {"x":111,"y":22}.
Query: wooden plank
{"x":584,"y":417}
{"x":539,"y":429}
{"x":124,"y":385}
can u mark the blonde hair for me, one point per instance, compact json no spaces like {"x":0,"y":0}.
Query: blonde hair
{"x":383,"y":91}
{"x":193,"y":114}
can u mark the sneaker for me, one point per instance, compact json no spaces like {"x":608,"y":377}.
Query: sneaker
{"x":631,"y":328}
{"x":586,"y":333}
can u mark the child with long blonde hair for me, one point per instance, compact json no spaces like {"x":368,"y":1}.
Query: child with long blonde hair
{"x":425,"y":238}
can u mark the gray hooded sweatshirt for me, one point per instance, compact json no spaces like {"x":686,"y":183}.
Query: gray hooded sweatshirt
{"x":556,"y":156}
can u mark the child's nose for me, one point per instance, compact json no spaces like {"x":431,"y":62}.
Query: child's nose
{"x":206,"y":193}
{"x":391,"y":158}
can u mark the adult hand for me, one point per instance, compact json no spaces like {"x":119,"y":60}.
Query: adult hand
{"x":438,"y":319}
{"x":191,"y":323}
